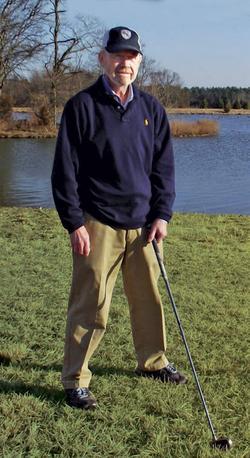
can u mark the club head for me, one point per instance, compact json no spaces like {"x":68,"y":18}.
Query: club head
{"x":223,"y":443}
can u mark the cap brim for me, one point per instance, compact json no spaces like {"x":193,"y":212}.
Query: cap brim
{"x":120,"y":47}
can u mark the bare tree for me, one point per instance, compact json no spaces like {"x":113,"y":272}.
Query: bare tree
{"x":68,"y":45}
{"x":147,"y":68}
{"x":21,"y":30}
{"x":163,"y":85}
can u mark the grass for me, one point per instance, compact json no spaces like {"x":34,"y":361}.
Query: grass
{"x":203,"y":127}
{"x":207,"y":258}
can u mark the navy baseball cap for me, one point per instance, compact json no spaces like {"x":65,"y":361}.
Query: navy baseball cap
{"x":121,"y":39}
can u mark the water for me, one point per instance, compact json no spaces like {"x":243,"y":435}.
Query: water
{"x":212,"y":173}
{"x":25,"y":168}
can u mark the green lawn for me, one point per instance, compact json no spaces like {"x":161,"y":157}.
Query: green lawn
{"x":207,"y":259}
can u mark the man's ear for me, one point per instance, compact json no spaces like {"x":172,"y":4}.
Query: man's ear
{"x":101,"y":56}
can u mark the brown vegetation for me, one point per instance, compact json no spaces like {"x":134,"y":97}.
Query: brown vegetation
{"x":209,"y":111}
{"x":203,"y":127}
{"x":25,"y":129}
{"x":38,"y":125}
{"x":33,"y":129}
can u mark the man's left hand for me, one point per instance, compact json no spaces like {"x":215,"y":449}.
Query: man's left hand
{"x":158,"y":230}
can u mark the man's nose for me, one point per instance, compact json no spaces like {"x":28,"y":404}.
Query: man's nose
{"x":124,"y":59}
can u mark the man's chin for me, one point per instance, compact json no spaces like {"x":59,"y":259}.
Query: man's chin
{"x":124,"y":79}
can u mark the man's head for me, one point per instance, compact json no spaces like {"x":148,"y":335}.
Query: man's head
{"x":121,"y":55}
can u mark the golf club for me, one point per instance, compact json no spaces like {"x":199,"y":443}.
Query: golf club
{"x":223,"y":443}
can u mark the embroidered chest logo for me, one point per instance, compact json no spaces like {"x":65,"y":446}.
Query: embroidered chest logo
{"x":146,"y":122}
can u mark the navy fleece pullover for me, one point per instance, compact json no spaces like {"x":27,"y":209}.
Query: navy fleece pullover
{"x":114,"y":164}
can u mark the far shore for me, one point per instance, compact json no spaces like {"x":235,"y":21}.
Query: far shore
{"x":207,"y":111}
{"x":46,"y":132}
{"x":28,"y":133}
{"x":202,"y":111}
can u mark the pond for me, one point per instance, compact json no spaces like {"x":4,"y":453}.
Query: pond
{"x":212,"y":173}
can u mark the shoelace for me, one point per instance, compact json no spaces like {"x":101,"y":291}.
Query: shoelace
{"x":171,"y":368}
{"x":83,"y":392}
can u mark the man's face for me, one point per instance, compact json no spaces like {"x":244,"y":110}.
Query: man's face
{"x":121,"y":67}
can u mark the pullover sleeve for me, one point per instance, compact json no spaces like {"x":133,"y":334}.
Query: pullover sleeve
{"x":65,"y":169}
{"x":163,"y":173}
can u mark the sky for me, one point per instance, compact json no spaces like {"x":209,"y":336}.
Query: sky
{"x":207,"y":42}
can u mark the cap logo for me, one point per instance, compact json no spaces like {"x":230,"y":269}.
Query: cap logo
{"x":126,"y":34}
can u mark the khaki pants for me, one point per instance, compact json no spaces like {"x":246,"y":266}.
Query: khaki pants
{"x":90,"y":296}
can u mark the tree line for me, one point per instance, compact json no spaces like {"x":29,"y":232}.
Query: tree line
{"x":27,"y":92}
{"x":218,"y":97}
{"x":44,"y":59}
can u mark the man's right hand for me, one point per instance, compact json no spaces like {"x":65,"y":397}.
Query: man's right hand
{"x":80,"y":241}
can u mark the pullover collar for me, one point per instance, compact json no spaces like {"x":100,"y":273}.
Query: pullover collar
{"x":110,"y":91}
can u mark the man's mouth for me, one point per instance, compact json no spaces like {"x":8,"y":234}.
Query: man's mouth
{"x":124,"y":71}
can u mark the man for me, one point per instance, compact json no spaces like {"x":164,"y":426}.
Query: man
{"x":113,"y":186}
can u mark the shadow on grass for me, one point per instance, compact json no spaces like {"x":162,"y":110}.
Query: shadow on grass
{"x":53,"y":395}
{"x":97,"y":370}
{"x":50,"y":394}
{"x":7,"y":361}
{"x":102,"y":371}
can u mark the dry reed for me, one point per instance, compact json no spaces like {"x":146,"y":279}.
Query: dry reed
{"x":24,"y":128}
{"x":31,"y":129}
{"x":193,"y":129}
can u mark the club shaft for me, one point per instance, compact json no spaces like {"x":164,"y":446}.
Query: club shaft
{"x":164,"y":275}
